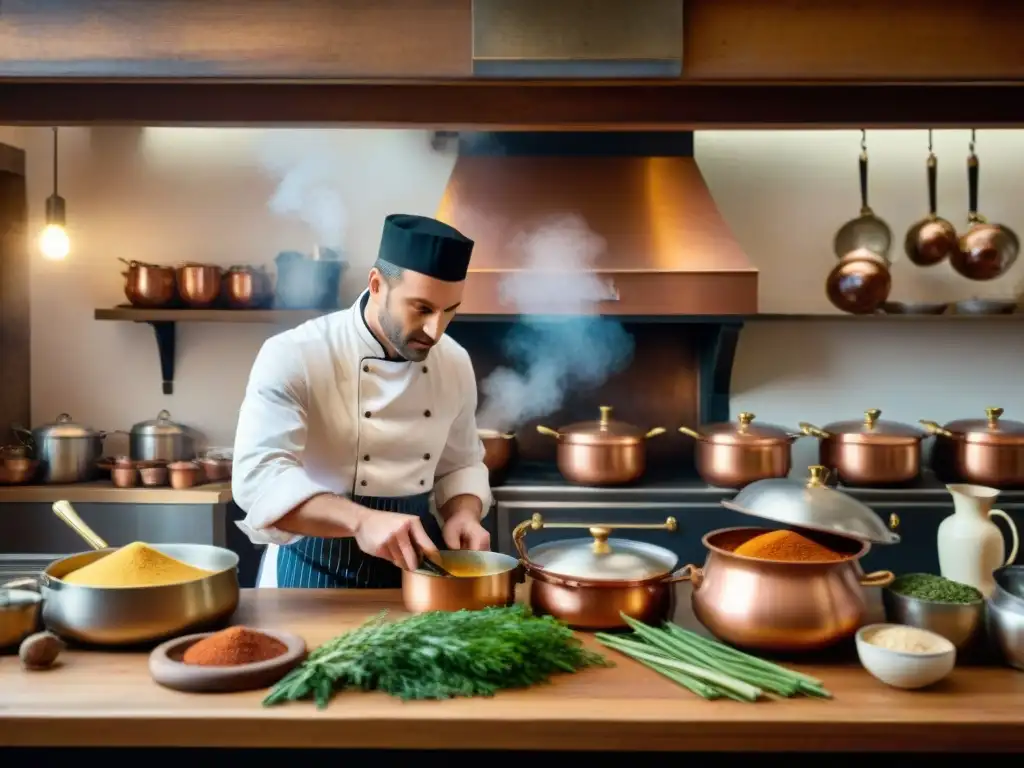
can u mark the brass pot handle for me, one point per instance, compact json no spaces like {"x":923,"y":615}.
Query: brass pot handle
{"x":654,"y":432}
{"x":691,"y":433}
{"x":599,"y":532}
{"x":933,"y":428}
{"x":548,"y":431}
{"x":806,"y":428}
{"x":878,"y":579}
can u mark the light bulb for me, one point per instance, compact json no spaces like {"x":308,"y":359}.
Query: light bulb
{"x":54,"y":242}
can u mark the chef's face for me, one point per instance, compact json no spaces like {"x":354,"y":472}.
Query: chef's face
{"x":414,"y":310}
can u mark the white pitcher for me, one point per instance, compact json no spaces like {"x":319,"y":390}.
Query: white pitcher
{"x":970,"y":544}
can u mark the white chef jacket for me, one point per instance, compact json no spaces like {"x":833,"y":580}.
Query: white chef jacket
{"x":325,"y":411}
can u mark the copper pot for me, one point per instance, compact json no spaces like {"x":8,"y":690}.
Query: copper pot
{"x":933,"y":239}
{"x":589,"y":584}
{"x":602,"y":452}
{"x":767,"y":605}
{"x":869,"y":452}
{"x":987,"y":451}
{"x":860,"y":283}
{"x":500,"y":450}
{"x":732,"y":455}
{"x":481,"y":580}
{"x":199,"y":284}
{"x":148,"y":285}
{"x":246,"y":287}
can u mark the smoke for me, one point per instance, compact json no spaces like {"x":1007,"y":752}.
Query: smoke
{"x":309,"y":169}
{"x":577,"y":349}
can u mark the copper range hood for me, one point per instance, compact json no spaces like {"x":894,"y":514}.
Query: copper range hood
{"x":667,"y":251}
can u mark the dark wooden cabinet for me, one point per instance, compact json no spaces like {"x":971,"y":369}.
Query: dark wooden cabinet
{"x":14,"y":293}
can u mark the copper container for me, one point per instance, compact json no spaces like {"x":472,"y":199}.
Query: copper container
{"x":869,"y":452}
{"x":860,"y":283}
{"x":500,"y":451}
{"x":732,"y":455}
{"x":17,"y":470}
{"x":987,"y":451}
{"x":602,"y":452}
{"x":933,"y":239}
{"x":246,"y":287}
{"x":987,"y":250}
{"x":198,"y":284}
{"x":149,"y":285}
{"x":182,"y":474}
{"x":767,"y":605}
{"x":124,"y":475}
{"x":589,"y":584}
{"x":492,"y":581}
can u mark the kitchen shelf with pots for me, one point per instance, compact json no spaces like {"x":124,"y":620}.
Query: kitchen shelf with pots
{"x":104,"y":492}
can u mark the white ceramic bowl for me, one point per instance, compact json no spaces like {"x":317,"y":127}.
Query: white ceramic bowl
{"x":905,"y":670}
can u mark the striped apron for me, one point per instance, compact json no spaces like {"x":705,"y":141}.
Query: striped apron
{"x":316,"y":563}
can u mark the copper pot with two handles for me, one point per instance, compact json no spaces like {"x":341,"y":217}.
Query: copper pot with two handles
{"x":149,"y":285}
{"x":602,"y":452}
{"x":590,"y":583}
{"x":987,"y":451}
{"x":869,"y":452}
{"x":732,"y":455}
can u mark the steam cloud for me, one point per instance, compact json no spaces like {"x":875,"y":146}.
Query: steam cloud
{"x":553,"y":355}
{"x":309,"y":170}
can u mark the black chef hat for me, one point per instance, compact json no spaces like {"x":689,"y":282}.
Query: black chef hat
{"x":425,"y":245}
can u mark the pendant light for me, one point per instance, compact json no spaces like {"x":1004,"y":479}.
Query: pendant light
{"x":53,"y":241}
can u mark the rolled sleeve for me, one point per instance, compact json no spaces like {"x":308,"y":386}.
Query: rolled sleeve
{"x":268,"y":479}
{"x":461,"y":469}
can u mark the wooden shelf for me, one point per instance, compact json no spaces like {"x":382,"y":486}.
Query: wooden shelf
{"x":277,"y":316}
{"x":103,"y":492}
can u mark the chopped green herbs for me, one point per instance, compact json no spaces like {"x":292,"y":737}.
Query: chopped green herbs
{"x":935,"y":589}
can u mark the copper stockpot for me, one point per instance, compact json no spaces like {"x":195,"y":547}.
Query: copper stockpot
{"x":500,"y":450}
{"x":987,"y":451}
{"x":732,"y":455}
{"x":766,"y":605}
{"x":149,"y":285}
{"x":246,"y":287}
{"x":602,"y":452}
{"x":199,"y":284}
{"x":869,"y":452}
{"x":588,"y":584}
{"x":424,"y":591}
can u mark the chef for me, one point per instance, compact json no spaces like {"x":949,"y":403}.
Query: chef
{"x":353,"y":421}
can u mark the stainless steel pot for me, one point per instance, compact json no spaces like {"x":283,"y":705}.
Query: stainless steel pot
{"x":161,"y":439}
{"x":734,"y":455}
{"x":67,"y":452}
{"x":589,"y":584}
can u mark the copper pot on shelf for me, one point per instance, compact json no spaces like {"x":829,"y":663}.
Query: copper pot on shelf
{"x":246,"y":287}
{"x":199,"y":285}
{"x":860,"y":283}
{"x":588,"y":584}
{"x":481,"y":580}
{"x":732,"y":455}
{"x":149,"y":285}
{"x":602,"y":452}
{"x":500,"y":450}
{"x":987,"y":451}
{"x":869,"y":452}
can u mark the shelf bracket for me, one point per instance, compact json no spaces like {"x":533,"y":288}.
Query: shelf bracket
{"x":717,"y":353}
{"x":166,"y":337}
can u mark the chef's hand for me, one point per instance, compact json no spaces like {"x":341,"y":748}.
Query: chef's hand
{"x":462,"y":530}
{"x":395,"y":537}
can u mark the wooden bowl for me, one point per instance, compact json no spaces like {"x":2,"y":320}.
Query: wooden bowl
{"x":167,"y":668}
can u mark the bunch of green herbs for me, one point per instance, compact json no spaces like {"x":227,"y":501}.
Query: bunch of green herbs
{"x":935,"y":589}
{"x":439,"y":655}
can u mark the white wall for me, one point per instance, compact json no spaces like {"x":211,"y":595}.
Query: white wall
{"x":198,"y":194}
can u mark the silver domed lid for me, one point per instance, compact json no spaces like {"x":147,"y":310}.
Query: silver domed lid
{"x":812,"y":505}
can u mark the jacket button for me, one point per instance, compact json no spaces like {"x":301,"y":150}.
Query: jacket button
{"x":427,"y":414}
{"x":426,"y":457}
{"x":367,"y":414}
{"x":366,"y":457}
{"x":424,"y":369}
{"x":423,"y":482}
{"x":366,"y":369}
{"x":362,"y":483}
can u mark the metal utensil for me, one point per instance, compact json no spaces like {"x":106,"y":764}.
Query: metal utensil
{"x":867,"y":230}
{"x":67,"y":513}
{"x":960,"y":624}
{"x":933,"y":239}
{"x":430,"y":566}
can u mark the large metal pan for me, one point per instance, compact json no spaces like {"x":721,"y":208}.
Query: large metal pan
{"x":125,"y":616}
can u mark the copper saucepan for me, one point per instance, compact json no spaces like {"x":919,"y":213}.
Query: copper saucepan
{"x":479,"y":580}
{"x":987,"y":451}
{"x":588,"y":583}
{"x":500,"y":451}
{"x":602,"y":452}
{"x":199,"y":285}
{"x":245,"y":287}
{"x":732,"y":455}
{"x":149,"y":285}
{"x":775,"y":606}
{"x":869,"y":452}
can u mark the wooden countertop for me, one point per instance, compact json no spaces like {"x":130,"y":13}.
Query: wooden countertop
{"x":107,"y":698}
{"x":104,"y":492}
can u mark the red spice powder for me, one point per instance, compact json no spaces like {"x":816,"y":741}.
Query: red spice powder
{"x":232,"y":647}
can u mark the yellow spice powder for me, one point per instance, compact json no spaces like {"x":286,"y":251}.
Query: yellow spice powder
{"x":135,"y":565}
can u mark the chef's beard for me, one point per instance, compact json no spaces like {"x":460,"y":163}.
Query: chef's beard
{"x":397,"y":337}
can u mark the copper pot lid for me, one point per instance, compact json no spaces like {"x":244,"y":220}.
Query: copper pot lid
{"x":741,"y":432}
{"x":604,"y":431}
{"x":812,"y":505}
{"x":992,"y":430}
{"x":869,"y":430}
{"x":603,"y":559}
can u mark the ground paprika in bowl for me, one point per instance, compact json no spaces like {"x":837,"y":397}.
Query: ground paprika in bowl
{"x":232,"y":647}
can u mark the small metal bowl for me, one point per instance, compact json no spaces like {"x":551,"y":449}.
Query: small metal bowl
{"x":19,"y":616}
{"x":1006,"y":629}
{"x":961,"y":624}
{"x":914,"y":308}
{"x":1009,"y":591}
{"x":986,"y":306}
